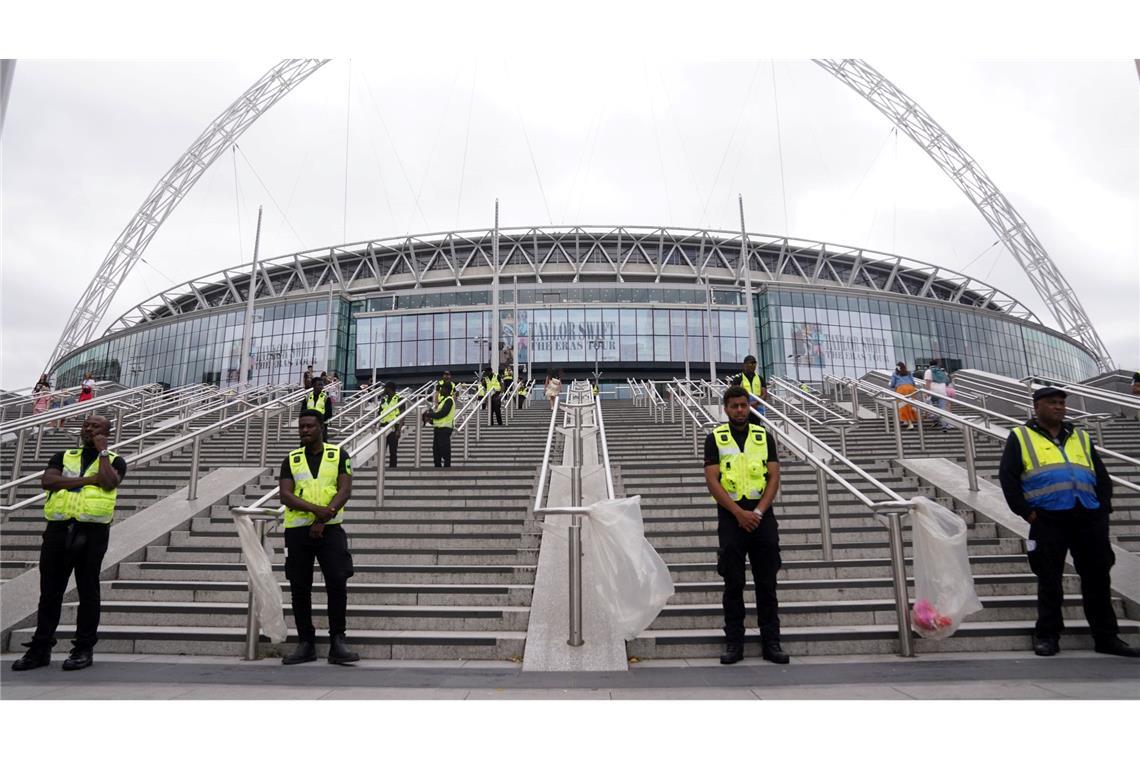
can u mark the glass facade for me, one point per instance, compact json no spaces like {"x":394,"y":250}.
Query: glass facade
{"x":207,"y":349}
{"x":803,"y":333}
{"x":808,"y":334}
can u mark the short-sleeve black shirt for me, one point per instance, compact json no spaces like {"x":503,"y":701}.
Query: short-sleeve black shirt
{"x":712,"y":455}
{"x":86,"y":457}
{"x":314,"y":461}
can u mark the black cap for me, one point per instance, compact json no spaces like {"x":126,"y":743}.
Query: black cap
{"x":1046,"y":392}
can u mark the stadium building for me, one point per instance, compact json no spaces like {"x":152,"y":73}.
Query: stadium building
{"x":628,"y":301}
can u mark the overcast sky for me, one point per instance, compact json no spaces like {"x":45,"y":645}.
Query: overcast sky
{"x":589,"y":141}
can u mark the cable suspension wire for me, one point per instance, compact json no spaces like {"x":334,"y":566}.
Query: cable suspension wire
{"x":434,"y":148}
{"x":534,"y":163}
{"x":395,"y":151}
{"x":731,"y":139}
{"x":780,"y":147}
{"x":347,"y":124}
{"x":681,"y":140}
{"x":585,"y":168}
{"x":657,"y":140}
{"x":980,"y":255}
{"x":466,"y":144}
{"x":264,"y":187}
{"x":237,"y":204}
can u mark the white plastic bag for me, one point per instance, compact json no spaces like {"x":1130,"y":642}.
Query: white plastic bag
{"x":943,"y":585}
{"x":630,"y":578}
{"x":267,"y":601}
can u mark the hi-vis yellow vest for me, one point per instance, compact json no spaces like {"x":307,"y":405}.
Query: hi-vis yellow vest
{"x":1055,"y":478}
{"x":449,"y":420}
{"x":318,"y":403}
{"x":90,"y":504}
{"x":744,"y":474}
{"x":318,"y":490}
{"x":391,"y":408}
{"x":755,"y":386}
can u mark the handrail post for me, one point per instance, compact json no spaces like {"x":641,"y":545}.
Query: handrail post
{"x":245,"y":439}
{"x":898,"y":431}
{"x":575,"y":580}
{"x":921,"y":433}
{"x":898,"y":576}
{"x":478,"y":422}
{"x":195,"y":458}
{"x":419,"y":439}
{"x":824,"y":516}
{"x":251,"y":623}
{"x":843,"y":440}
{"x":971,"y":468}
{"x":381,"y":451}
{"x":21,"y":440}
{"x":264,"y":454}
{"x":118,"y":426}
{"x":466,"y":441}
{"x":855,"y":402}
{"x":281,"y":422}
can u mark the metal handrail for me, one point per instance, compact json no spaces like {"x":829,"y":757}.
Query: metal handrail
{"x":969,"y":426}
{"x":169,"y":446}
{"x":605,"y":448}
{"x":1089,"y":392}
{"x":71,"y":410}
{"x":28,"y":395}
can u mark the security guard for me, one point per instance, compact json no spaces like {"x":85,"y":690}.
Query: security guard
{"x":318,"y":400}
{"x":82,"y":486}
{"x":316,"y":481}
{"x":522,"y":389}
{"x":445,"y":378}
{"x":442,"y":421}
{"x":1053,"y":478}
{"x":742,"y":472}
{"x":752,"y":381}
{"x":494,"y":389}
{"x":391,"y":405}
{"x":594,"y":387}
{"x":507,"y":376}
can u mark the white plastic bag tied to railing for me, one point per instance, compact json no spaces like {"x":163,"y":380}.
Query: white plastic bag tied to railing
{"x":943,"y":586}
{"x":267,"y":601}
{"x":631,"y":580}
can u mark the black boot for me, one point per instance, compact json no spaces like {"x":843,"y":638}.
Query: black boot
{"x":771,"y":651}
{"x":306,"y":651}
{"x":78,"y":659}
{"x":1116,"y":646}
{"x":35,"y":657}
{"x":733,"y":652}
{"x":338,"y":650}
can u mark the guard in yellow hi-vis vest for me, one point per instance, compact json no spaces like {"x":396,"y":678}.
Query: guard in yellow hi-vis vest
{"x":391,"y":406}
{"x":316,"y":481}
{"x":1053,"y":478}
{"x":82,"y":486}
{"x":742,"y":472}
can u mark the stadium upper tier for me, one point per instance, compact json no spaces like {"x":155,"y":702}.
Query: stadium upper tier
{"x":574,"y":254}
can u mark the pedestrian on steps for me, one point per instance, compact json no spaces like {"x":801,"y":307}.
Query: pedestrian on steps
{"x":442,"y":420}
{"x":391,"y":406}
{"x":742,"y":473}
{"x":82,"y":488}
{"x":1053,"y":478}
{"x":902,"y":382}
{"x":316,"y":483}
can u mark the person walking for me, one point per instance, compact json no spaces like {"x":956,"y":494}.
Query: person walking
{"x":316,"y":483}
{"x":936,"y":379}
{"x":86,"y":388}
{"x":521,"y":394}
{"x":42,"y":394}
{"x":391,"y":406}
{"x":1053,"y":478}
{"x":742,"y":473}
{"x":82,"y":486}
{"x":753,"y":382}
{"x":902,"y":382}
{"x":317,"y":400}
{"x":307,"y":378}
{"x":552,"y":388}
{"x":495,"y":391}
{"x":442,"y":420}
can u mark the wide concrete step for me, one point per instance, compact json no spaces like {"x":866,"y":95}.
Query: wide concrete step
{"x":404,"y":594}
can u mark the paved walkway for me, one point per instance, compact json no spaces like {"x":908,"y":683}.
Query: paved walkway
{"x":1072,"y":675}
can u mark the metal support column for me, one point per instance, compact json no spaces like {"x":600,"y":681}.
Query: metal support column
{"x":824,"y":515}
{"x":575,"y":580}
{"x":263,"y":455}
{"x":195,"y":458}
{"x":971,"y":466}
{"x":419,"y":439}
{"x":898,"y":573}
{"x":21,"y":440}
{"x":252,"y":625}
{"x":381,"y":451}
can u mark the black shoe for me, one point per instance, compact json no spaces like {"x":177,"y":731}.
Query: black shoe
{"x":732,"y":653}
{"x":338,"y":650}
{"x":306,"y":651}
{"x":772,"y":653}
{"x":1117,"y":647}
{"x":78,"y":659}
{"x":32,"y":659}
{"x":1045,"y":647}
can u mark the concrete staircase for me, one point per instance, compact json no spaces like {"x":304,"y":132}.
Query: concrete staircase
{"x":444,"y":570}
{"x":843,"y":606}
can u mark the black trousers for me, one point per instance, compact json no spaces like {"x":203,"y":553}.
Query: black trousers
{"x":441,"y":446}
{"x":70,"y":546}
{"x":521,"y":398}
{"x":331,"y":553}
{"x":762,"y":548}
{"x":1084,"y":533}
{"x":393,"y":443}
{"x":497,"y":409}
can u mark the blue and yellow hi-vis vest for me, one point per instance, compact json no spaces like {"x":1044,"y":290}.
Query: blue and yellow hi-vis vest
{"x":1056,"y":478}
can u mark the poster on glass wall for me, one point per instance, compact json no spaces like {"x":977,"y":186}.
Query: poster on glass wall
{"x":840,"y":341}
